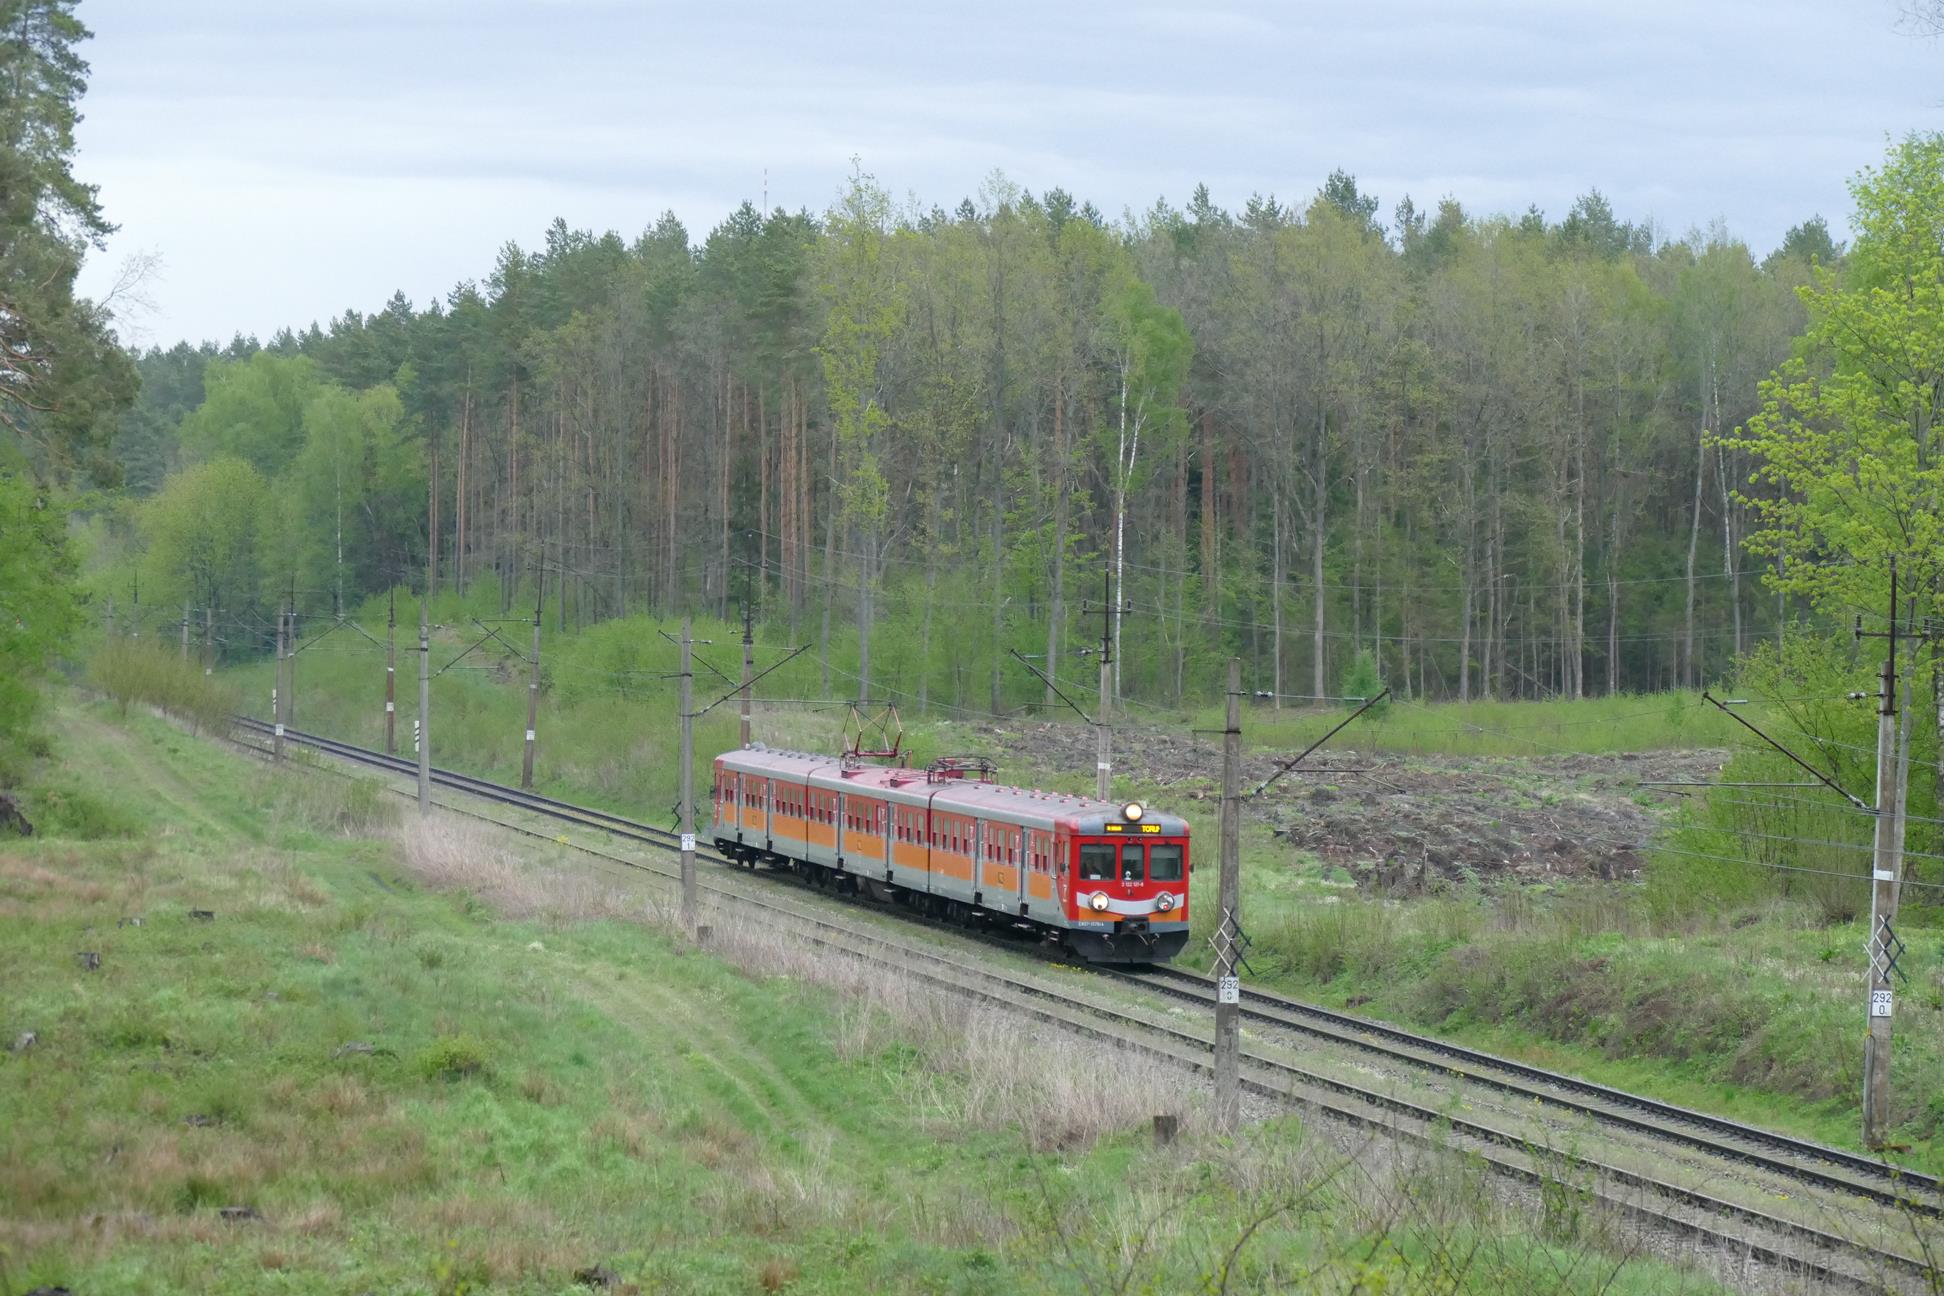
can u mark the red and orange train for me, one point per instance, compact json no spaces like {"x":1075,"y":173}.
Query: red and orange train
{"x":1108,"y":881}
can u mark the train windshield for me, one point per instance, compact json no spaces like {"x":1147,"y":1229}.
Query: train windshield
{"x":1132,"y":868}
{"x":1164,"y":862}
{"x":1097,"y":862}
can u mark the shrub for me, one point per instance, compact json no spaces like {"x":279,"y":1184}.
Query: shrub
{"x":1363,"y":679}
{"x":138,"y":671}
{"x":343,"y":806}
{"x":62,"y":811}
{"x":453,"y":1057}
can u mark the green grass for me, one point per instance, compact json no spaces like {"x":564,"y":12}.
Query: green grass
{"x":1744,"y":1007}
{"x":416,"y":1094}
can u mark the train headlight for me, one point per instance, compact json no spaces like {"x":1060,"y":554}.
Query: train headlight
{"x":1098,"y":902}
{"x":1166,"y":902}
{"x":1132,"y":812}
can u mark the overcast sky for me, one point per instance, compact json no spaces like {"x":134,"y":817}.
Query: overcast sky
{"x":287,"y":160}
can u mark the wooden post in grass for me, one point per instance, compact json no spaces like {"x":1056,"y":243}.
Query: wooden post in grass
{"x":209,"y":640}
{"x":185,"y":630}
{"x":1228,"y":922}
{"x":424,"y":736}
{"x":687,"y":812}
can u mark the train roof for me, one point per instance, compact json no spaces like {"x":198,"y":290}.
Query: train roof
{"x":959,"y":795}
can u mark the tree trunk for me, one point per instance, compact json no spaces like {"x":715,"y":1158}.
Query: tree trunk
{"x":829,"y":569}
{"x":1056,"y":607}
{"x":1690,"y":672}
{"x":1275,"y":597}
{"x":1319,"y":537}
{"x":512,"y":529}
{"x":465,"y":457}
{"x":1211,"y":555}
{"x":432,"y":520}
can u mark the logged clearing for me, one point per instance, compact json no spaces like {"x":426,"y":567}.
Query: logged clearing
{"x":270,"y":1034}
{"x":1403,"y":823}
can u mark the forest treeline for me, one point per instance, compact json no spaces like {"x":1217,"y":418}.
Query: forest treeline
{"x":1476,"y":447}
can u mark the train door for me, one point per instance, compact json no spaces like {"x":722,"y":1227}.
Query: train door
{"x":979,"y":830}
{"x":1009,"y":862}
{"x":1039,"y":871}
{"x":726,"y":813}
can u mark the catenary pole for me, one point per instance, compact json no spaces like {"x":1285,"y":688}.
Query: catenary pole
{"x":1228,"y":930}
{"x":749,"y":667}
{"x":277,"y":689}
{"x":1883,"y":899}
{"x":1103,"y":718}
{"x":422,"y":740}
{"x":290,"y":662}
{"x":391,"y":674}
{"x":687,"y":812}
{"x":533,"y":697}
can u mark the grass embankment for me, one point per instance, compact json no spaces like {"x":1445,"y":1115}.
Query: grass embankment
{"x":1748,"y":1009}
{"x":412,"y":1058}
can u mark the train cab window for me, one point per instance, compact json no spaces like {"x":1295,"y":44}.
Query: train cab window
{"x":1131,"y":869}
{"x":1164,"y":862}
{"x":1097,"y":862}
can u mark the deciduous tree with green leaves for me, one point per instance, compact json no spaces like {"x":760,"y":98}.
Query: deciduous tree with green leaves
{"x":1149,"y":350}
{"x":865,"y":306}
{"x":205,"y":534}
{"x":1847,"y":436}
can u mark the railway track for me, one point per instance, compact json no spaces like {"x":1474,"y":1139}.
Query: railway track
{"x":1880,"y":1181}
{"x":1770,"y":1238}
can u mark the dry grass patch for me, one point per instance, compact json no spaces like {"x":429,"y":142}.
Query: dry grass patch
{"x":634,"y":1134}
{"x":454,"y":853}
{"x":984,"y":1068}
{"x":51,"y":892}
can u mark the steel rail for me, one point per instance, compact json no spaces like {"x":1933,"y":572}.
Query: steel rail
{"x":1909,"y":1190}
{"x":620,"y":825}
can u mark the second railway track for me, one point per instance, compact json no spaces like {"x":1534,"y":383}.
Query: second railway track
{"x":1896,"y":1194}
